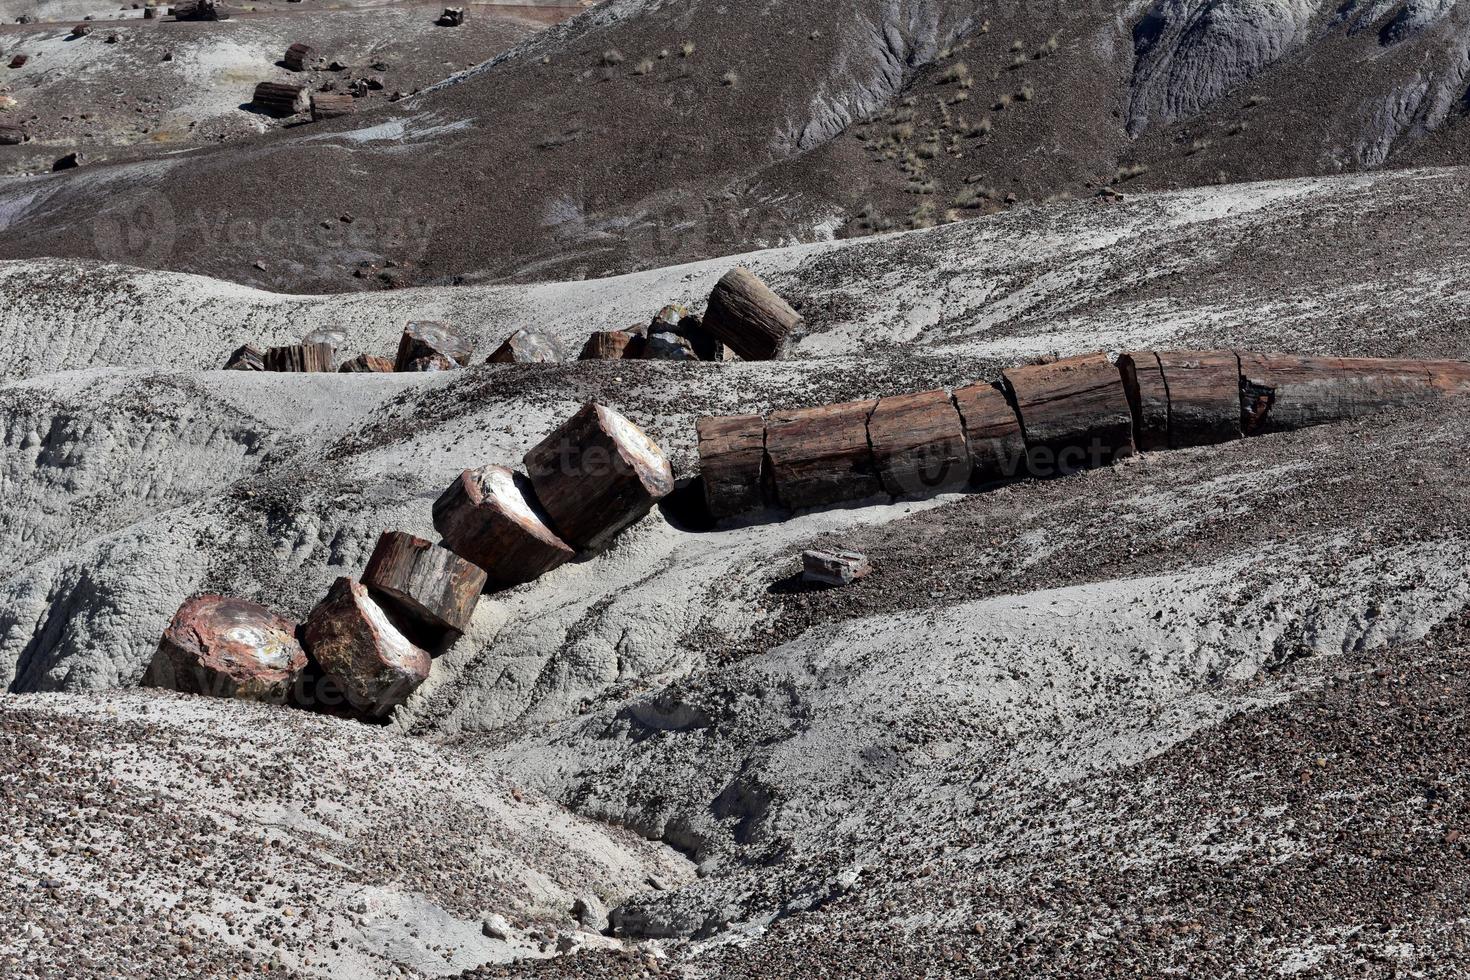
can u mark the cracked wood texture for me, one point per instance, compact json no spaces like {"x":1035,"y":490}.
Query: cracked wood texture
{"x":228,"y":648}
{"x":424,"y":582}
{"x":1074,"y":413}
{"x":746,"y":316}
{"x":1204,"y":396}
{"x":489,"y":516}
{"x":1148,"y":397}
{"x":992,"y":434}
{"x":918,"y":444}
{"x":820,"y":456}
{"x":732,"y":461}
{"x":612,"y":345}
{"x":301,"y":357}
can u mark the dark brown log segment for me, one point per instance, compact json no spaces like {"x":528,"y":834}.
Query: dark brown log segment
{"x":12,"y":133}
{"x":367,"y":364}
{"x":820,"y":456}
{"x":297,"y":56}
{"x":1204,"y":397}
{"x":1148,"y":397}
{"x":746,"y":316}
{"x":332,"y":105}
{"x":227,"y":648}
{"x":280,"y":100}
{"x":356,"y":647}
{"x":1074,"y":413}
{"x":425,"y":338}
{"x":300,"y":357}
{"x":732,"y":461}
{"x":527,"y":347}
{"x":612,"y":345}
{"x":992,"y":432}
{"x":490,"y":517}
{"x":918,"y":444}
{"x":424,"y":582}
{"x":246,"y":358}
{"x":597,"y":475}
{"x":201,"y":10}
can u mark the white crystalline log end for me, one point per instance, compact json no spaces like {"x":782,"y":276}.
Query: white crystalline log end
{"x":639,"y":451}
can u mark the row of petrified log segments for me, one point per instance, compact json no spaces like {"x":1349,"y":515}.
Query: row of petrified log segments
{"x":1042,"y":420}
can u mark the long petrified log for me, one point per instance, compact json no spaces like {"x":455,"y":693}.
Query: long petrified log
{"x":490,"y":517}
{"x":597,"y":475}
{"x":281,"y":100}
{"x":612,"y":345}
{"x":746,"y":316}
{"x":1074,"y":413}
{"x":227,"y":648}
{"x":300,"y":357}
{"x":820,"y":456}
{"x":425,"y":582}
{"x":918,"y":444}
{"x":12,"y":134}
{"x":732,"y":461}
{"x":992,"y":433}
{"x":527,"y":347}
{"x":356,"y":648}
{"x":425,"y":338}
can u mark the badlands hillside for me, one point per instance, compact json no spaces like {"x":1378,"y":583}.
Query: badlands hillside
{"x":1199,"y":712}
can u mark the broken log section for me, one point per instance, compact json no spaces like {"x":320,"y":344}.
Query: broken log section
{"x":836,"y":568}
{"x":597,"y":475}
{"x":732,"y":460}
{"x":746,"y":316}
{"x":367,"y":364}
{"x":425,"y":582}
{"x":354,"y":645}
{"x":301,"y":357}
{"x":992,"y":434}
{"x":281,"y":100}
{"x":298,"y":56}
{"x":12,"y":134}
{"x":490,"y":517}
{"x":332,"y":105}
{"x":1074,"y":413}
{"x":527,"y":347}
{"x":227,"y":648}
{"x":246,"y":358}
{"x":612,"y":345}
{"x":820,"y":456}
{"x":918,"y":444}
{"x":201,"y":10}
{"x":424,"y":339}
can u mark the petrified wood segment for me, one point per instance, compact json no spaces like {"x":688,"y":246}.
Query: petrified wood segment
{"x":834,"y":567}
{"x":246,"y":358}
{"x":490,"y":517}
{"x":12,"y":133}
{"x":992,"y":432}
{"x":527,"y":347}
{"x":820,"y":456}
{"x":332,"y":105}
{"x":1148,"y":397}
{"x":596,"y":475}
{"x":201,"y":10}
{"x":281,"y":100}
{"x":918,"y":444}
{"x":430,"y":364}
{"x":667,"y":346}
{"x":300,"y":357}
{"x":227,"y":648}
{"x":424,"y":582}
{"x":745,"y":315}
{"x":367,"y":364}
{"x":732,"y":459}
{"x":357,"y":648}
{"x":1204,"y":397}
{"x":298,"y":56}
{"x":612,"y":345}
{"x":426,"y":338}
{"x":1074,"y":413}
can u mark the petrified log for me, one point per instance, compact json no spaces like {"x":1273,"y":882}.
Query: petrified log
{"x":425,"y":582}
{"x":367,"y":364}
{"x":1204,"y":396}
{"x":490,"y":516}
{"x":201,"y":10}
{"x":12,"y":133}
{"x":1148,"y":398}
{"x":81,"y":30}
{"x":612,"y":345}
{"x":300,"y":357}
{"x":357,"y":648}
{"x":527,"y":347}
{"x":227,"y":648}
{"x":918,"y":444}
{"x":992,"y":433}
{"x":281,"y":100}
{"x":451,"y":17}
{"x":820,"y":456}
{"x":19,"y":61}
{"x":707,"y":346}
{"x":597,"y":475}
{"x":247,"y":358}
{"x":732,"y":462}
{"x":71,"y":161}
{"x":1280,"y":392}
{"x":745,"y":315}
{"x":1074,"y":413}
{"x":668,"y":346}
{"x":668,"y":319}
{"x":834,"y":567}
{"x":425,"y":338}
{"x":298,"y":56}
{"x":331,"y":105}
{"x":335,"y":336}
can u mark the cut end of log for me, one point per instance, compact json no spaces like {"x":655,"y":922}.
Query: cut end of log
{"x":246,"y":358}
{"x":230,"y":648}
{"x":833,"y":568}
{"x":301,"y":357}
{"x":528,"y":347}
{"x":612,"y":345}
{"x":490,"y":517}
{"x":732,"y":463}
{"x":425,"y":339}
{"x":748,"y":317}
{"x":992,"y":434}
{"x":281,"y":100}
{"x":1074,"y":413}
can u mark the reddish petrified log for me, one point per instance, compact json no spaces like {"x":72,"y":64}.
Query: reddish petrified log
{"x":357,"y":649}
{"x":227,"y":648}
{"x":612,"y":345}
{"x":425,"y":582}
{"x":332,"y":105}
{"x":12,"y":133}
{"x":746,"y":316}
{"x":426,"y":338}
{"x":528,"y":347}
{"x":300,"y":357}
{"x":992,"y":433}
{"x":281,"y":100}
{"x":430,"y":364}
{"x":367,"y":364}
{"x":1074,"y":413}
{"x":835,"y":568}
{"x":918,"y":444}
{"x":298,"y":56}
{"x":1204,"y":396}
{"x":597,"y":475}
{"x":732,"y":460}
{"x":820,"y":456}
{"x":490,"y":517}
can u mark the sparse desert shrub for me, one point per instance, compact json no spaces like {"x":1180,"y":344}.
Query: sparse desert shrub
{"x":959,"y":97}
{"x":729,"y":79}
{"x":1198,"y":146}
{"x":919,"y":185}
{"x":643,"y":67}
{"x":1238,"y":128}
{"x":902,"y":115}
{"x":686,"y":50}
{"x":1049,"y":48}
{"x":923,"y":216}
{"x":981,"y":128}
{"x":929,"y":150}
{"x":612,"y":57}
{"x":910,"y":102}
{"x":969,"y":198}
{"x":1003,"y":103}
{"x":1256,"y":100}
{"x":663,"y":54}
{"x":1018,"y":46}
{"x":1026,"y":94}
{"x":954,"y":73}
{"x":1132,"y":171}
{"x":903,"y":132}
